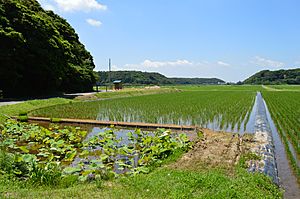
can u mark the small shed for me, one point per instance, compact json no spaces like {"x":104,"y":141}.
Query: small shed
{"x":118,"y":84}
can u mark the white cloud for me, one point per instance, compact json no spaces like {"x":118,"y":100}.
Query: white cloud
{"x":223,"y":63}
{"x":264,"y":62}
{"x":49,"y":7}
{"x":184,"y":68}
{"x":78,"y":5}
{"x":181,"y":63}
{"x":46,"y":5}
{"x":73,"y":5}
{"x":94,"y":22}
{"x":158,"y":64}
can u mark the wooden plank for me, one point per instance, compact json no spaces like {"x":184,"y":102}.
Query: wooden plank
{"x":121,"y":124}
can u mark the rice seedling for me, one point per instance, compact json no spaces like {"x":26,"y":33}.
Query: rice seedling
{"x":285,"y":110}
{"x":225,"y":108}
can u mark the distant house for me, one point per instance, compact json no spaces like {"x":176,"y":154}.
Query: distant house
{"x":118,"y":85}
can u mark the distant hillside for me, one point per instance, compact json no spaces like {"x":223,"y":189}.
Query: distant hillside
{"x":138,"y":77}
{"x":275,"y":77}
{"x":196,"y":80}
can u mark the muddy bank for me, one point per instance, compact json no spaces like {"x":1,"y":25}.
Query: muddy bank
{"x":215,"y":150}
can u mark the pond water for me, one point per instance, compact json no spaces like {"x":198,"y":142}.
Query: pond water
{"x":122,"y":135}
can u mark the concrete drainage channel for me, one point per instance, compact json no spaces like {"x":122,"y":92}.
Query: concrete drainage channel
{"x":269,"y":146}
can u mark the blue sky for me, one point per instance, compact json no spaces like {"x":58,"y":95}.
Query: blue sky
{"x":228,"y":39}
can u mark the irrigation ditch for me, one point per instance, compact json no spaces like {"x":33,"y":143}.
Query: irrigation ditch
{"x":270,"y":147}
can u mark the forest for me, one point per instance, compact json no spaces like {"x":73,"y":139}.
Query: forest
{"x":139,"y":77}
{"x":275,"y":77}
{"x":40,"y":53}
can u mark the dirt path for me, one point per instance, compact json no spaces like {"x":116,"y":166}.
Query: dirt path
{"x":269,"y":88}
{"x":10,"y":103}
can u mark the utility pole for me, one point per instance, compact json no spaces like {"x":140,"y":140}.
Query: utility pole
{"x":109,"y":69}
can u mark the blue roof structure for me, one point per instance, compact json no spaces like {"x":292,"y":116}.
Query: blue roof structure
{"x":117,"y":81}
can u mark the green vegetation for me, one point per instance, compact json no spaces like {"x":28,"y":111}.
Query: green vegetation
{"x":253,"y":88}
{"x":40,"y":53}
{"x":283,"y":87}
{"x":184,"y":108}
{"x":160,"y":183}
{"x":30,"y":154}
{"x":285,"y":110}
{"x":138,"y":77}
{"x":275,"y":77}
{"x":128,"y":92}
{"x":36,"y":146}
{"x":24,"y":107}
{"x":36,"y":156}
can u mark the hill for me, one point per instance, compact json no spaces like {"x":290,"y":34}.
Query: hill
{"x":291,"y":76}
{"x":138,"y":77}
{"x":40,"y":53}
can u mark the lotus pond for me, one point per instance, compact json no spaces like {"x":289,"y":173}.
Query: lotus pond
{"x":103,"y":154}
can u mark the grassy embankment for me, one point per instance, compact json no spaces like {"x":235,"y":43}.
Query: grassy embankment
{"x":162,"y":183}
{"x":16,"y":109}
{"x":128,"y":92}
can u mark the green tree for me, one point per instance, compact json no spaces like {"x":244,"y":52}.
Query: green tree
{"x":40,"y":53}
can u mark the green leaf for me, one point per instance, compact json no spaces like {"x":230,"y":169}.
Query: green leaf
{"x":24,"y":149}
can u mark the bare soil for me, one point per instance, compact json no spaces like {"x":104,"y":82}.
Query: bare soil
{"x":215,"y":150}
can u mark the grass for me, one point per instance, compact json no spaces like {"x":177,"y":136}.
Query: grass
{"x":128,"y":92}
{"x":184,"y":108}
{"x":284,"y":87}
{"x":162,"y":183}
{"x":218,"y":87}
{"x":16,"y":109}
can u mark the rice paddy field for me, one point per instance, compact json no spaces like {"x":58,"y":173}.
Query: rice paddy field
{"x":222,"y":107}
{"x":285,"y":110}
{"x":192,"y":106}
{"x":230,"y":108}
